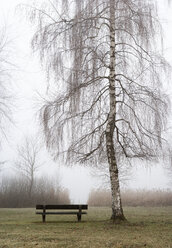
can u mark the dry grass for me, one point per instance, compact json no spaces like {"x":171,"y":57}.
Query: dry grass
{"x":147,"y":227}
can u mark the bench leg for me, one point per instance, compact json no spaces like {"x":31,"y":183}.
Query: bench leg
{"x":79,"y":217}
{"x":43,"y":218}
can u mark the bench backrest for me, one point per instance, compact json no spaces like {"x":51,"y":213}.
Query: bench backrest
{"x":65,"y":207}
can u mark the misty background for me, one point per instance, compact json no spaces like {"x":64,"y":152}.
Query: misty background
{"x":28,"y":87}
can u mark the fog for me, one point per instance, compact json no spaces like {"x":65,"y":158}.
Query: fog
{"x":28,"y":82}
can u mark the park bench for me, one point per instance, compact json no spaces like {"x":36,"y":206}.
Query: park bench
{"x":76,"y":209}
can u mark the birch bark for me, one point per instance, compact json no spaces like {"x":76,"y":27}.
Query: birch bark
{"x":117,"y":212}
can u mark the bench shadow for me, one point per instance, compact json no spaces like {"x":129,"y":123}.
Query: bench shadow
{"x":69,"y":222}
{"x":56,"y":222}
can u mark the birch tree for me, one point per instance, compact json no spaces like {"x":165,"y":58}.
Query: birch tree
{"x":108,"y":105}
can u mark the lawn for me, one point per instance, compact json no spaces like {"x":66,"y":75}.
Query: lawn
{"x":146,"y":227}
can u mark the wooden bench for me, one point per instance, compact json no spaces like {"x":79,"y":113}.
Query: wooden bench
{"x":77,"y":210}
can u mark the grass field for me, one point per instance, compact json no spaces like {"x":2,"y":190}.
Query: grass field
{"x":146,"y":227}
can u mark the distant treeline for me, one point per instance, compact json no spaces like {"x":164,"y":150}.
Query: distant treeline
{"x":15,"y":193}
{"x":133,"y":198}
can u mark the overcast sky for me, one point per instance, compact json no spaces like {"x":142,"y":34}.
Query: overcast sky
{"x":29,"y":79}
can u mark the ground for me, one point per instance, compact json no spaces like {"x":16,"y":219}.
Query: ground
{"x":146,"y":227}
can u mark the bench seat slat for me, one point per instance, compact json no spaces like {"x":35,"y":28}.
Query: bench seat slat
{"x":72,"y":206}
{"x":59,"y":213}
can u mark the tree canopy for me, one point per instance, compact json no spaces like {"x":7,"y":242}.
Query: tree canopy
{"x":109,"y":102}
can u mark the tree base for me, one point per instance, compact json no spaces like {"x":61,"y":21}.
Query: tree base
{"x":118,"y":219}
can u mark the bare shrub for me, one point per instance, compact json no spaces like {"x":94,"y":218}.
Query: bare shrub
{"x":46,"y":191}
{"x":146,"y":198}
{"x":99,"y":198}
{"x":134,"y":198}
{"x":14,"y":193}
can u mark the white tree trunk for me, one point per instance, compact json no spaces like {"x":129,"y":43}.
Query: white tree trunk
{"x":117,"y":212}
